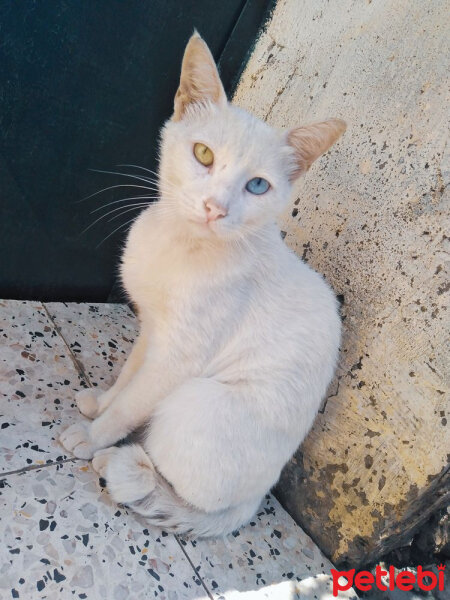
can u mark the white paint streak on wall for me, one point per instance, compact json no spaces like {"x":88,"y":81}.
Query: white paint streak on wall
{"x":372,"y":216}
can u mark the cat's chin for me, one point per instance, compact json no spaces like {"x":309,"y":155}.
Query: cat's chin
{"x":204,"y":230}
{"x":212,"y":231}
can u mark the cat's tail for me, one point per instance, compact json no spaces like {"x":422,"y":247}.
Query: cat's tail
{"x":132,"y":480}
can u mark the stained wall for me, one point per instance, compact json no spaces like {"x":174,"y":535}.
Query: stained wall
{"x":372,"y":216}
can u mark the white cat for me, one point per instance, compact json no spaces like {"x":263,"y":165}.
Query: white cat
{"x":239,"y":338}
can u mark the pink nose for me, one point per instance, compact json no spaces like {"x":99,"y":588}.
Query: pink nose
{"x":214,"y":211}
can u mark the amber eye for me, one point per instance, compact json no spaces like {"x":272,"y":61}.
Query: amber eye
{"x":203,"y":154}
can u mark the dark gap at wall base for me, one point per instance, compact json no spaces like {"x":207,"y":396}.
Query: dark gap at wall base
{"x":420,"y":536}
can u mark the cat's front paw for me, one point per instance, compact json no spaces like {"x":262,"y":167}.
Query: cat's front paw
{"x":76,"y":439}
{"x":87,"y":402}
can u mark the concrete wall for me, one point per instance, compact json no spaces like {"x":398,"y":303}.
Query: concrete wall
{"x":370,"y":216}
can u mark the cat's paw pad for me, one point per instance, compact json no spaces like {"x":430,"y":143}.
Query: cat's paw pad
{"x":76,"y":439}
{"x":87,"y":402}
{"x":101,"y":460}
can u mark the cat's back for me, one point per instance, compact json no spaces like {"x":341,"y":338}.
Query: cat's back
{"x":296,"y":290}
{"x":294,"y":323}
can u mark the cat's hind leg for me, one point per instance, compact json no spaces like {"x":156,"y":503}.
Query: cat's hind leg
{"x":132,"y":480}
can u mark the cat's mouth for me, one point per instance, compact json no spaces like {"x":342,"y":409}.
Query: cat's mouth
{"x":203,"y":223}
{"x":203,"y":227}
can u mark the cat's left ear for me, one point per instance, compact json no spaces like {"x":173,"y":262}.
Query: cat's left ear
{"x":312,"y":141}
{"x":199,"y":79}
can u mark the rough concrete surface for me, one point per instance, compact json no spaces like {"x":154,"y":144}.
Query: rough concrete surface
{"x":371,"y":216}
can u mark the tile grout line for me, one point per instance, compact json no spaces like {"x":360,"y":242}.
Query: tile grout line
{"x":82,"y":373}
{"x":35,"y":467}
{"x":78,"y":365}
{"x":188,"y":558}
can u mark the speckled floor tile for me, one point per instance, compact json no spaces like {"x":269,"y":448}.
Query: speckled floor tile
{"x":37,"y":383}
{"x":100,"y":337}
{"x":272,"y":557}
{"x":63,"y":538}
{"x":38,"y":375}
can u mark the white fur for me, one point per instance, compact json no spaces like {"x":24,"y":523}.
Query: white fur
{"x":239,"y":338}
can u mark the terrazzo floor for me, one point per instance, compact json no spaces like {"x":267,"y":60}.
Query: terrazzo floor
{"x":61,"y":535}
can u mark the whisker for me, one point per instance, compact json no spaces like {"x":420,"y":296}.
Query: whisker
{"x":100,"y":218}
{"x":122,"y":174}
{"x":164,"y":209}
{"x":117,"y":229}
{"x":158,"y":175}
{"x":132,"y":207}
{"x":138,"y":167}
{"x":124,"y":200}
{"x":112,"y":187}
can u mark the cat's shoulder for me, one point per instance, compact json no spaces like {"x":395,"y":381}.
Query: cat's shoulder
{"x":303,"y":281}
{"x":147,"y":228}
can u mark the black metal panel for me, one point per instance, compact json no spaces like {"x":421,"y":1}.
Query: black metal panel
{"x":87,"y":84}
{"x":254,"y":15}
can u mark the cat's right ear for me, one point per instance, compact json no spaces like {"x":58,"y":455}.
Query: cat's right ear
{"x":199,"y":79}
{"x":310,"y":141}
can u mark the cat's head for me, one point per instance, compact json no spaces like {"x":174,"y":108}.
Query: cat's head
{"x":223,"y":172}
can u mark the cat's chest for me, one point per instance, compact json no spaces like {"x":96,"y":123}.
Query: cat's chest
{"x":185,"y":297}
{"x":158,"y":287}
{"x":172,"y":293}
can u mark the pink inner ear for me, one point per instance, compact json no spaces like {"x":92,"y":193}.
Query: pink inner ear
{"x":199,"y":79}
{"x":312,"y":141}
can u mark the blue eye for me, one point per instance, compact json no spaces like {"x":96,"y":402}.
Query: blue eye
{"x":257,"y":186}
